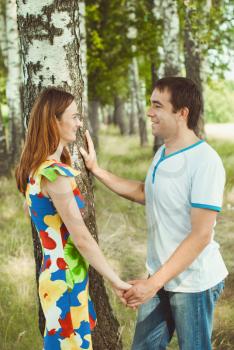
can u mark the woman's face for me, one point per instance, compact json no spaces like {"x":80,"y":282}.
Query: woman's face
{"x":69,"y":124}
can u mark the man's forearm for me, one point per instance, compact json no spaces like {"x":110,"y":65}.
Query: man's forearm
{"x":130,"y":189}
{"x":183,"y":256}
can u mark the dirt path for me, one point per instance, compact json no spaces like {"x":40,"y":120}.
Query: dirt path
{"x":220,"y":131}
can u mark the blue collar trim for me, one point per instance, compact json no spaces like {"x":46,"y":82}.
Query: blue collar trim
{"x":181,"y":150}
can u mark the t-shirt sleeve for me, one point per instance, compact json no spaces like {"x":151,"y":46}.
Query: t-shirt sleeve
{"x":208,"y":184}
{"x":54,"y":170}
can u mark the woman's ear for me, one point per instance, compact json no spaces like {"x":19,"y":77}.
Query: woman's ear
{"x":58,"y":122}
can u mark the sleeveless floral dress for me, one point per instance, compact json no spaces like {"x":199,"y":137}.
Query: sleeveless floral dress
{"x":63,"y":279}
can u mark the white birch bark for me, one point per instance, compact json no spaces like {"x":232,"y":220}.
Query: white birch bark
{"x":169,"y":54}
{"x":83,"y":57}
{"x":167,"y":10}
{"x":15,"y":134}
{"x":171,"y":37}
{"x":135,"y":88}
{"x":50,"y":48}
{"x":132,"y":105}
{"x":138,"y":97}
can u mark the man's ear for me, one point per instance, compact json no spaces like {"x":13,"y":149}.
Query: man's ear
{"x":184,"y":112}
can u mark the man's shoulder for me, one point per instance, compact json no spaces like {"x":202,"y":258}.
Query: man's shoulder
{"x":207,"y":162}
{"x":206,"y":154}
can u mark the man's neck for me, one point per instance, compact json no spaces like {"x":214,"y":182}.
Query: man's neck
{"x":179,"y":142}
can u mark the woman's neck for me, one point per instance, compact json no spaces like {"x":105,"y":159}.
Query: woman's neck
{"x":57,"y":154}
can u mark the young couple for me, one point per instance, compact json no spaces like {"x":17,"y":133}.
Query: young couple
{"x":182,"y":193}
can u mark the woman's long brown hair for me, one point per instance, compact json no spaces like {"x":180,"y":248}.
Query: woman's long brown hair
{"x":43,"y":137}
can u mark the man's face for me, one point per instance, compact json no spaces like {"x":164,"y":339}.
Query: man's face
{"x":164,"y":120}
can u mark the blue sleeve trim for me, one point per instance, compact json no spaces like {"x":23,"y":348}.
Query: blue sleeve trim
{"x":206,"y":206}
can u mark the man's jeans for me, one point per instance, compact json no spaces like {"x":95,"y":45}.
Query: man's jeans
{"x":190,"y":314}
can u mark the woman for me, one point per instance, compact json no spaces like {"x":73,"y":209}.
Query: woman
{"x":47,"y":180}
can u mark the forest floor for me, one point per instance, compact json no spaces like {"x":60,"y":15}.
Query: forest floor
{"x":122,"y":235}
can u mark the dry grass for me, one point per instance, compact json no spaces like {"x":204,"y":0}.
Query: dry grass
{"x":122,"y":233}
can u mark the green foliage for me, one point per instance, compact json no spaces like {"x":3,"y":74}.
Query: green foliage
{"x":149,"y":39}
{"x":3,"y":89}
{"x":213,"y":29}
{"x":3,"y":77}
{"x":109,"y":49}
{"x":219,"y":97}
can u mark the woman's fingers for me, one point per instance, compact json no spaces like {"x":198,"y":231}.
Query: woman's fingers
{"x":83,"y":152}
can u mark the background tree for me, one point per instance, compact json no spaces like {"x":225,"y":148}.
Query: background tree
{"x":137,"y":91}
{"x":171,"y":45}
{"x":204,"y":39}
{"x":50,"y":42}
{"x":4,"y":166}
{"x":15,"y":125}
{"x":83,"y":58}
{"x":108,"y":55}
{"x":4,"y":161}
{"x":3,"y":38}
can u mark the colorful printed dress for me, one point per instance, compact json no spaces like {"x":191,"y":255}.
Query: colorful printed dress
{"x":63,"y":280}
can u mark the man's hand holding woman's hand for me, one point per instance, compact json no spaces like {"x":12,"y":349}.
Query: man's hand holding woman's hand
{"x":136,"y":292}
{"x":140,"y":292}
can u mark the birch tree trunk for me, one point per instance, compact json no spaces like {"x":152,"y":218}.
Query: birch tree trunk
{"x":50,"y":44}
{"x":192,"y":51}
{"x":94,"y":107}
{"x":120,"y":115}
{"x":132,"y":112}
{"x":3,"y":53}
{"x":135,"y":83}
{"x":168,"y":11}
{"x":171,"y":38}
{"x":83,"y":58}
{"x":3,"y":148}
{"x":138,"y":92}
{"x":192,"y":54}
{"x":15,"y":134}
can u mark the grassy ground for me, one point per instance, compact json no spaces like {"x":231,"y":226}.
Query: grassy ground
{"x":122,"y":233}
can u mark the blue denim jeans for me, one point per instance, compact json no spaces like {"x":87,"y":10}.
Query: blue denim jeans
{"x":190,"y":314}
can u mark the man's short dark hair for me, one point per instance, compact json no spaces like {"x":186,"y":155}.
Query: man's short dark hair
{"x":184,"y":93}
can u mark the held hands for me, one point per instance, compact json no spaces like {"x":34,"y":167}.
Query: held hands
{"x":140,"y":292}
{"x":120,"y":287}
{"x":136,"y":292}
{"x":89,"y":156}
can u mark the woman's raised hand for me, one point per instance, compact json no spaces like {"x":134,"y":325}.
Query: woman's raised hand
{"x":89,"y":156}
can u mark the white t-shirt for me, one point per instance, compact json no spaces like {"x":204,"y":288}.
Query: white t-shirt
{"x":191,"y":177}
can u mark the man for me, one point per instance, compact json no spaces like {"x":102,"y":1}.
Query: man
{"x":183,"y":193}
